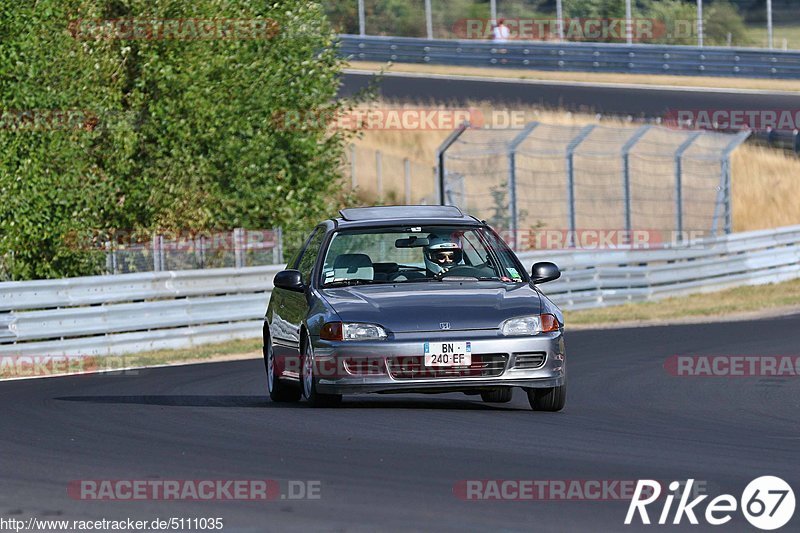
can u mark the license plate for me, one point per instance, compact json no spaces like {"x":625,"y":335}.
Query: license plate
{"x":448,"y":354}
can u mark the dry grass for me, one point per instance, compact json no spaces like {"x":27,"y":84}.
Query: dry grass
{"x":227,"y":351}
{"x":766,"y":189}
{"x":766,"y":182}
{"x":757,"y":34}
{"x":761,"y":298}
{"x":588,"y":77}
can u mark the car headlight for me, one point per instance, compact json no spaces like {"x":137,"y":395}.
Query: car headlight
{"x":351,"y":331}
{"x":530,"y":325}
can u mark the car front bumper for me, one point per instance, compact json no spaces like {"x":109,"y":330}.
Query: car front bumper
{"x":348,"y":367}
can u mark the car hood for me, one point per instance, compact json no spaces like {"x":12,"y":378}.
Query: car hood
{"x":424,"y":307}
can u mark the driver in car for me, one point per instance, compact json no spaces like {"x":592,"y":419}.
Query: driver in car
{"x":442,"y":253}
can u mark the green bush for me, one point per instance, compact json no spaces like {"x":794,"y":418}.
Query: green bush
{"x":184,"y":132}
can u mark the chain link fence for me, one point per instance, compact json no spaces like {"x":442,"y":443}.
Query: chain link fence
{"x":237,"y":248}
{"x":573,"y":178}
{"x":386,"y":178}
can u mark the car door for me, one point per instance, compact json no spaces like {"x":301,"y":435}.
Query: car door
{"x":290,"y":307}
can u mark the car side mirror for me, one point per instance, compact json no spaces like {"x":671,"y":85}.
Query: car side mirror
{"x":291,"y":280}
{"x":544,"y":271}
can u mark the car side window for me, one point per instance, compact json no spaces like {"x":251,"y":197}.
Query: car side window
{"x":310,"y":254}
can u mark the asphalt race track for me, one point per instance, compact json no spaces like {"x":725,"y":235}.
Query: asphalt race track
{"x":635,"y":101}
{"x":391,"y":462}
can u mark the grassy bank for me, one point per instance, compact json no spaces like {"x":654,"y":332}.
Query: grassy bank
{"x":714,"y":305}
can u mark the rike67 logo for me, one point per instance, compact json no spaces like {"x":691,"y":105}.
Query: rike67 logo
{"x":767,"y":503}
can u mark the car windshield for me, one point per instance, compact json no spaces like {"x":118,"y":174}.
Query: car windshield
{"x":417,"y":254}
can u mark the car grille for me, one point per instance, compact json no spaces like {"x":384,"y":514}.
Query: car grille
{"x":413,"y":367}
{"x":529,"y":360}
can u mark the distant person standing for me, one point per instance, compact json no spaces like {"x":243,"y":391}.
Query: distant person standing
{"x":501,"y":33}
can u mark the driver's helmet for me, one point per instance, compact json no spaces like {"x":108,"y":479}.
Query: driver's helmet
{"x":442,"y":253}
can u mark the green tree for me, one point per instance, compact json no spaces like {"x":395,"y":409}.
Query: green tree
{"x":187,"y":133}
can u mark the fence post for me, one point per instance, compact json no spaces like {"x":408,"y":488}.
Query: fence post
{"x":277,"y":251}
{"x":512,"y":182}
{"x":362,"y":19}
{"x":796,"y":137}
{"x":571,"y":147}
{"x":110,"y":259}
{"x":157,"y":251}
{"x":379,"y":172}
{"x":679,"y":183}
{"x":724,"y":194}
{"x":200,"y":243}
{"x":440,"y":170}
{"x":407,"y":172}
{"x":626,"y":177}
{"x":353,"y":178}
{"x":238,"y":247}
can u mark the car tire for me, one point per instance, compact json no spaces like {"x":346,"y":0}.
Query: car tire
{"x":501,"y":395}
{"x":549,"y":399}
{"x":279,"y":391}
{"x":308,"y":382}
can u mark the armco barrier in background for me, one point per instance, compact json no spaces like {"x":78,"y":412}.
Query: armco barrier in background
{"x":128,"y":313}
{"x":581,"y":57}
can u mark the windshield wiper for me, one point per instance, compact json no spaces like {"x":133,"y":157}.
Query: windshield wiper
{"x":349,"y":282}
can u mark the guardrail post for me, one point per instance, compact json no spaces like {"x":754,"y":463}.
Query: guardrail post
{"x":512,"y":182}
{"x":679,"y":183}
{"x":796,"y":137}
{"x":440,"y":152}
{"x":571,"y":147}
{"x":626,"y":177}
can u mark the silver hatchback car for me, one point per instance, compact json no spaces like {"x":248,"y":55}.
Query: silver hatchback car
{"x":420,"y":299}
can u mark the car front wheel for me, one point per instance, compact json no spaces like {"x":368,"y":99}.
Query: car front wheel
{"x":308,"y":382}
{"x":549,"y":399}
{"x":501,"y":395}
{"x":278,"y":390}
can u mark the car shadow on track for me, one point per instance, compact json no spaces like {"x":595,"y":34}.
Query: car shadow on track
{"x":174,"y":400}
{"x":260,"y":401}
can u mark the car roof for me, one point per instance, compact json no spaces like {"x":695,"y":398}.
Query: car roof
{"x":403,"y":214}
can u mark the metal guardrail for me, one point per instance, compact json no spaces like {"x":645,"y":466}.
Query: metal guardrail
{"x":582,"y":57}
{"x":105,"y":315}
{"x":612,"y":277}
